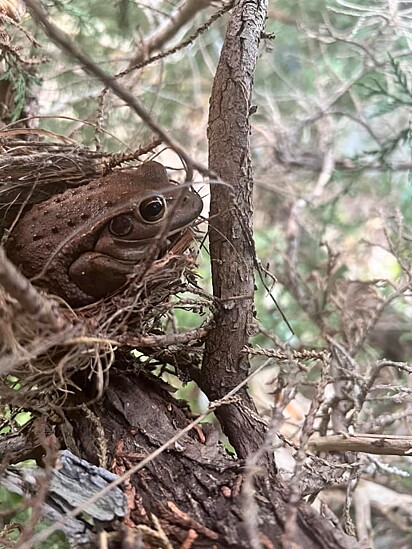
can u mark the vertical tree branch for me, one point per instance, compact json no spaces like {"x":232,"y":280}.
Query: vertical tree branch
{"x":231,"y":231}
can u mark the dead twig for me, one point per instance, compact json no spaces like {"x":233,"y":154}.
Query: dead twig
{"x":368,"y":443}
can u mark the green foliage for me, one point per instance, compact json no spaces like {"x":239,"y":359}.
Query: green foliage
{"x":13,"y":522}
{"x":388,"y":101}
{"x":401,"y":78}
{"x":20,"y":81}
{"x":9,"y":502}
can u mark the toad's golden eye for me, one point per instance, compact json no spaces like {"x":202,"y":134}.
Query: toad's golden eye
{"x":121,"y":225}
{"x":152,"y":209}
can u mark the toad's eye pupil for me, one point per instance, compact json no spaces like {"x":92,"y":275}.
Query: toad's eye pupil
{"x":153,"y":208}
{"x":121,"y":225}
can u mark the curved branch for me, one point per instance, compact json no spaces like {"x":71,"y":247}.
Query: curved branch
{"x":230,"y":233}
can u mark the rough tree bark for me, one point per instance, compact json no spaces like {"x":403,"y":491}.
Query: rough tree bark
{"x":193,"y":486}
{"x":230,"y":230}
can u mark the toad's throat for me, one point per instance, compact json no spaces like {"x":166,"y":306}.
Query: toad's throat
{"x":133,"y":252}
